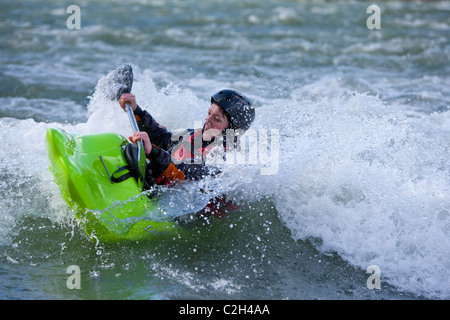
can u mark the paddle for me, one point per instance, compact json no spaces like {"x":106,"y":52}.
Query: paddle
{"x":120,"y":81}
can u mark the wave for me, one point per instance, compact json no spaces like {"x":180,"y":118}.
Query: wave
{"x":356,"y":176}
{"x":370,"y":183}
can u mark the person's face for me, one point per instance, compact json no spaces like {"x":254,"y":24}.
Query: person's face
{"x":215,"y":122}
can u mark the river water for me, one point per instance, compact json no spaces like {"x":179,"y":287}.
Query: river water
{"x":361,"y":175}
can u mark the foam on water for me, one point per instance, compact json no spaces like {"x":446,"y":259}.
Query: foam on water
{"x":25,"y":183}
{"x":356,"y":175}
{"x":364,"y":180}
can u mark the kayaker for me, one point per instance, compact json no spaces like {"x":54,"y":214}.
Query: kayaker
{"x":174,"y":157}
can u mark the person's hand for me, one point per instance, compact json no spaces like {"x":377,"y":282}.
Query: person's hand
{"x":128,"y":98}
{"x":141,"y":135}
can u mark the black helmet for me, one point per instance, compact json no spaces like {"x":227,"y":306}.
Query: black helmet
{"x":237,"y":107}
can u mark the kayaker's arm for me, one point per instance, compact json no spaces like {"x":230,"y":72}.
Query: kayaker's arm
{"x":158,"y":134}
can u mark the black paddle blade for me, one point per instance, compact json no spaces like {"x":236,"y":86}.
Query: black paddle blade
{"x":118,"y":82}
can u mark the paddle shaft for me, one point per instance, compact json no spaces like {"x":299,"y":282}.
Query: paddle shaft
{"x":134,"y":126}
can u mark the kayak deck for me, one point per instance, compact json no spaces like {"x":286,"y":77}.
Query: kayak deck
{"x":81,"y":166}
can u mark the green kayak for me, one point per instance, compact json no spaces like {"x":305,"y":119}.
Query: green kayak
{"x":101,"y":176}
